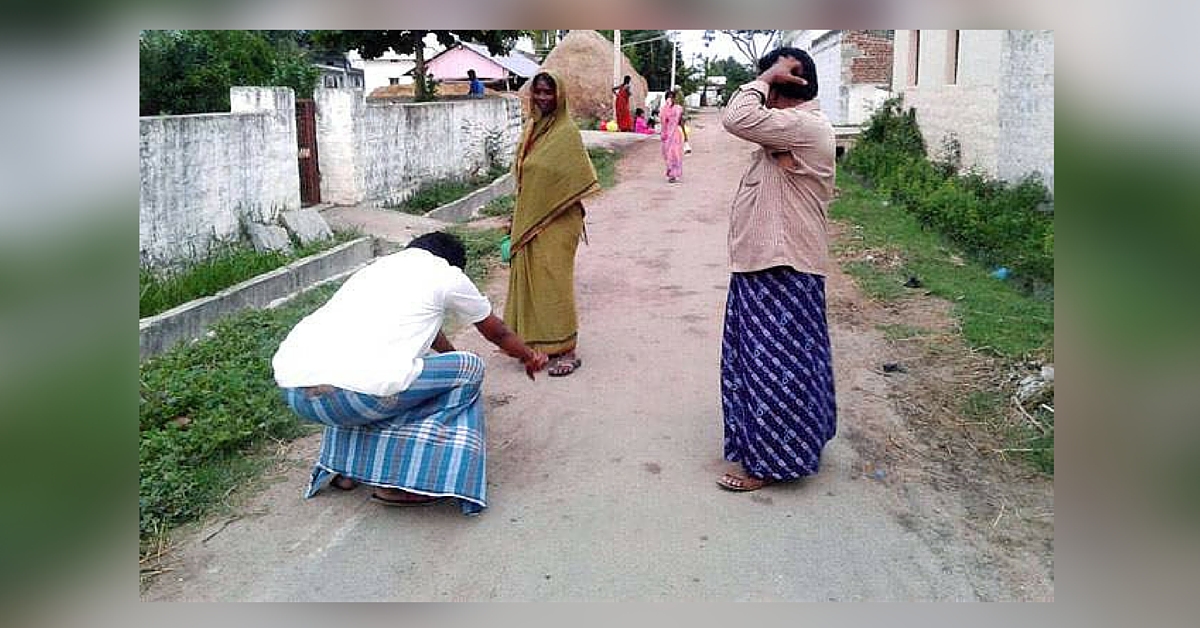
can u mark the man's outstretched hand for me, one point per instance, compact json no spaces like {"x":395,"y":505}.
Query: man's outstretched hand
{"x":534,"y":362}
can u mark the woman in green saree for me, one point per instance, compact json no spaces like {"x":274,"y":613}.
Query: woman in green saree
{"x":553,"y":173}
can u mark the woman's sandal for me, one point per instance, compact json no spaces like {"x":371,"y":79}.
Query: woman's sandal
{"x":562,"y":367}
{"x":739,"y":484}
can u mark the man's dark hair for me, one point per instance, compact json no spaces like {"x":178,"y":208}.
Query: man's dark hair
{"x":808,"y":72}
{"x":471,"y":73}
{"x":443,"y":245}
{"x":639,"y":111}
{"x":628,"y":78}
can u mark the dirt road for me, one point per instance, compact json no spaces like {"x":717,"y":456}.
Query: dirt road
{"x":601,"y":484}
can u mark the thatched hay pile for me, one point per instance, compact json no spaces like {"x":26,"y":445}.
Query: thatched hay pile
{"x":406,"y":92}
{"x":584,"y":61}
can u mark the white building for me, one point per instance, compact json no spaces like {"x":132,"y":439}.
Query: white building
{"x":389,"y":69}
{"x":992,"y":90}
{"x":854,"y":70}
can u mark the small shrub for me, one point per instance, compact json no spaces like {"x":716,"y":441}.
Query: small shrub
{"x":605,"y":163}
{"x":433,"y":195}
{"x":999,"y":224}
{"x":501,"y":206}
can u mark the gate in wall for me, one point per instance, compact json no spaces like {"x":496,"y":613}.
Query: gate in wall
{"x":306,"y":141}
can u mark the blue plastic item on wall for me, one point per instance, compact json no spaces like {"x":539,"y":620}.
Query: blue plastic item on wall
{"x":505,"y":249}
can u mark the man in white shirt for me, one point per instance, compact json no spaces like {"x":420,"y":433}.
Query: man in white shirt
{"x":398,"y":417}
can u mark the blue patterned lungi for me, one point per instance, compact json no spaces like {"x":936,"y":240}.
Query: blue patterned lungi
{"x":427,"y":439}
{"x":777,"y":373}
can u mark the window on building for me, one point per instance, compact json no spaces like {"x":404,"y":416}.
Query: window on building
{"x":914,"y":57}
{"x":952,"y":57}
{"x":330,"y":81}
{"x":394,"y":80}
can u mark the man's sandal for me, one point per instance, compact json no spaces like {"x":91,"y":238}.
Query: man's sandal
{"x":739,"y":484}
{"x":422,"y":501}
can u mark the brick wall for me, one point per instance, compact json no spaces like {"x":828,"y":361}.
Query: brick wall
{"x":870,"y":58}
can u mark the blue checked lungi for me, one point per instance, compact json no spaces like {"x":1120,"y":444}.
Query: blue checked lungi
{"x":427,"y":439}
{"x":777,"y":373}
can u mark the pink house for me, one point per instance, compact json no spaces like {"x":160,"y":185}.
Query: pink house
{"x":452,"y":65}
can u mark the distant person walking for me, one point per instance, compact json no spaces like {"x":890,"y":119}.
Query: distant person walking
{"x":776,"y":365}
{"x":671,"y":135}
{"x":553,"y":174}
{"x":624,"y":92}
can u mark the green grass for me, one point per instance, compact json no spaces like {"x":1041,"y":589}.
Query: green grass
{"x":876,"y":283}
{"x":1027,"y":441}
{"x":227,"y":266}
{"x":433,"y":195}
{"x":210,"y":411}
{"x":206,"y":409}
{"x":500,"y":206}
{"x":900,"y":331}
{"x":605,"y":162}
{"x":995,"y":316}
{"x":1042,"y":445}
{"x":483,"y":249}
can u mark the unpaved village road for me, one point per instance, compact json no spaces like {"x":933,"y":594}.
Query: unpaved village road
{"x":602,"y":483}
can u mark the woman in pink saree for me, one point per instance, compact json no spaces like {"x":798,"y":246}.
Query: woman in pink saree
{"x":671,"y":127}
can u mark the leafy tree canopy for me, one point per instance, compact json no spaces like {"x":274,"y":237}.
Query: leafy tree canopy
{"x":372,"y":44}
{"x":185,"y":71}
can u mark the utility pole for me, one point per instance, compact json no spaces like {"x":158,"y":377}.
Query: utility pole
{"x":674,"y":45}
{"x":616,"y":57}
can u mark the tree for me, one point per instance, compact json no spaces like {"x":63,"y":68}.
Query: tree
{"x":736,"y":74}
{"x":753,"y":44}
{"x":191,"y":71}
{"x":649,"y":52}
{"x":372,"y":44}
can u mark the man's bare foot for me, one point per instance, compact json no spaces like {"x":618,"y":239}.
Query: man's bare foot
{"x":343,"y":482}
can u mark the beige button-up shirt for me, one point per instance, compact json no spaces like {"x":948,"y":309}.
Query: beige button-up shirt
{"x":779,"y":212}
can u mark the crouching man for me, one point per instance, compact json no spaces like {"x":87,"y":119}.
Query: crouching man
{"x":398,"y":416}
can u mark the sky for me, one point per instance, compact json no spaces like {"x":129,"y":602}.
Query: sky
{"x":691,"y":44}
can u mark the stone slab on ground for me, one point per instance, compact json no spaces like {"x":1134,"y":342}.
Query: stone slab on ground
{"x":269,"y":238}
{"x":191,"y":320}
{"x":393,"y":226}
{"x":469,"y":206}
{"x":307,"y":225}
{"x":614,"y":140}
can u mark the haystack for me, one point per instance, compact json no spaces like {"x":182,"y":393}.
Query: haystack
{"x":584,"y":61}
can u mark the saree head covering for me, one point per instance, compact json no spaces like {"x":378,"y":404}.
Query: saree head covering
{"x":552,"y":169}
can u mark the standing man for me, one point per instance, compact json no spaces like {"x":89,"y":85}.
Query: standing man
{"x":476,"y":90}
{"x":624,"y":118}
{"x":776,"y":368}
{"x":397,"y":416}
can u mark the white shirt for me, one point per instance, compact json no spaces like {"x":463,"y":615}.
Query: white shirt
{"x":370,"y":336}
